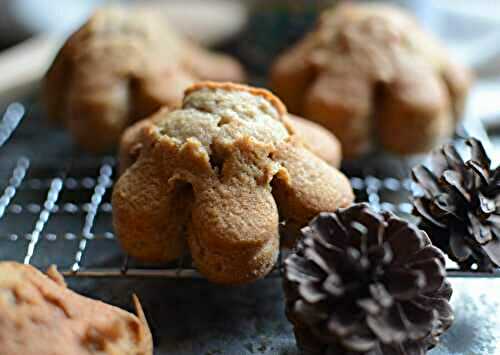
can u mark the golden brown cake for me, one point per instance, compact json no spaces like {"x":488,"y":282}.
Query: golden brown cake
{"x":316,"y":138}
{"x":121,"y":66}
{"x":373,"y":77}
{"x":40,"y":316}
{"x":215,"y":177}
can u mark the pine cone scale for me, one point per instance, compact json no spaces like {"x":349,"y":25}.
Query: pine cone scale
{"x":404,"y":284}
{"x":428,"y":181}
{"x":486,"y":205}
{"x":455,"y":181}
{"x":418,"y":316}
{"x":421,"y":206}
{"x":388,"y":330}
{"x":479,"y":170}
{"x":478,"y":153}
{"x":493,"y":250}
{"x":428,"y":253}
{"x":406,"y":244}
{"x":298,"y":271}
{"x":430,"y":267}
{"x":312,"y":292}
{"x":358,"y":344}
{"x":458,"y":246}
{"x":442,"y":307}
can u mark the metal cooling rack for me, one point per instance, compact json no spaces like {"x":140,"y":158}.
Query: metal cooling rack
{"x":55,"y":206}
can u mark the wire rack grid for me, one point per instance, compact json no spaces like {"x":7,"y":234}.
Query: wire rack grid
{"x":55,"y":207}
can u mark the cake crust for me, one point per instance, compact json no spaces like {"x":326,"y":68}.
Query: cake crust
{"x":121,"y":66}
{"x":215,"y":177}
{"x":374,"y":78}
{"x":41,"y":316}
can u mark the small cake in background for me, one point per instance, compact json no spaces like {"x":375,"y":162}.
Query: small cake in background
{"x":121,"y":66}
{"x":363,"y":282}
{"x":374,"y":78}
{"x":460,"y":205}
{"x":215,"y":178}
{"x":318,"y":139}
{"x":40,"y":316}
{"x":131,"y":142}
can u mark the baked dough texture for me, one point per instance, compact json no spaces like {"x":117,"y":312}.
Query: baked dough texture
{"x":316,"y":138}
{"x":121,"y":66}
{"x":215,"y":178}
{"x":40,"y":316}
{"x":374,"y":78}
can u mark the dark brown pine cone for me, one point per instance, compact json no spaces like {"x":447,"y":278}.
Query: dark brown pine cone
{"x":366,"y":283}
{"x":460,"y":207}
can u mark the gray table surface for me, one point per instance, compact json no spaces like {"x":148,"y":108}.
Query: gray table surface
{"x":194,"y":317}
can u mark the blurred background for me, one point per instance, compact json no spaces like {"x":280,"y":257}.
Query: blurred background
{"x":470,"y":29}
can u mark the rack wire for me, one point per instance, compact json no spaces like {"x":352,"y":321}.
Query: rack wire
{"x":55,"y":207}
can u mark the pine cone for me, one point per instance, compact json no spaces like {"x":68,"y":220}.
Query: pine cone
{"x":366,"y":283}
{"x":460,"y":208}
